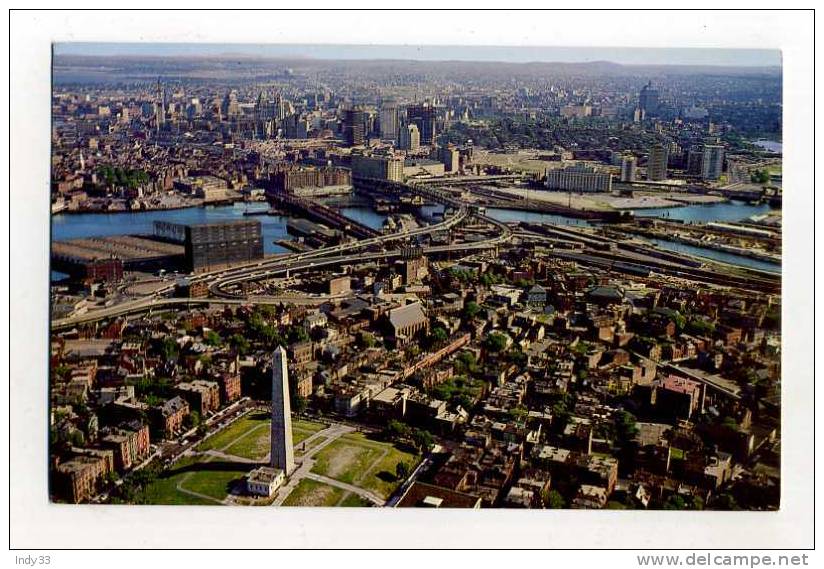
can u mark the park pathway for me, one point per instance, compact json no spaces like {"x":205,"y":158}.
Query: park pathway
{"x":305,"y":462}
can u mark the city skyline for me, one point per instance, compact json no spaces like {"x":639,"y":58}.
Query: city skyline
{"x":715,"y":57}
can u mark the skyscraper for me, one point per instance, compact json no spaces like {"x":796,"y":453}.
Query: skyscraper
{"x":353,"y":127}
{"x":282,"y":455}
{"x":410,"y":138}
{"x":695,"y":161}
{"x":657,"y":163}
{"x":389,"y":120}
{"x":628,"y":168}
{"x":423,"y":116}
{"x":648,"y":100}
{"x":712,"y":162}
{"x":160,"y":105}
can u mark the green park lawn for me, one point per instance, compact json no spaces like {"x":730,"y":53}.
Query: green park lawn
{"x":311,"y":493}
{"x":368,"y":464}
{"x":227,"y":436}
{"x":248,"y":437}
{"x":209,"y":478}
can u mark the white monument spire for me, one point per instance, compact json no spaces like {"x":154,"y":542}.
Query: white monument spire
{"x":282,"y":454}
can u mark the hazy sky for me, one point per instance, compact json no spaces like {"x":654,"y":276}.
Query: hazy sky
{"x":637,"y":56}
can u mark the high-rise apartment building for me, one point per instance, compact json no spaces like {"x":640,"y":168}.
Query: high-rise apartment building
{"x":628,"y":164}
{"x":657,"y":163}
{"x":695,"y":161}
{"x":712,"y":162}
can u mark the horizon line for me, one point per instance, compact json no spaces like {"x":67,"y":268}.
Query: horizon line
{"x":632,"y":56}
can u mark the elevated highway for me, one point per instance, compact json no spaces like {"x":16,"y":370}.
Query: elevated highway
{"x":220,"y":280}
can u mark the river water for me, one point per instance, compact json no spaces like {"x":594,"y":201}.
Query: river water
{"x":67,"y":226}
{"x":770,"y":145}
{"x":80,"y":225}
{"x":726,"y":211}
{"x":721,"y":256}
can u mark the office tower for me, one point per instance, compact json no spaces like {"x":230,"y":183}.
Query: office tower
{"x":648,"y":100}
{"x":230,"y":107}
{"x":628,"y":168}
{"x":389,"y":120}
{"x":451,"y":159}
{"x":410,"y":138}
{"x":423,"y":116}
{"x":353,"y":127}
{"x":160,"y":105}
{"x":296,"y":127}
{"x":657,"y":163}
{"x":195,"y":109}
{"x":281,"y":107}
{"x":712,"y":163}
{"x":282,"y":454}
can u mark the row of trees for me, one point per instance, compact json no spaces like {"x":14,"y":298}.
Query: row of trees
{"x":122,"y":177}
{"x":399,"y":432}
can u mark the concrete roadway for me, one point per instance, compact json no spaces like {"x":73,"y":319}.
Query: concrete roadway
{"x":257,"y":270}
{"x":159,"y":302}
{"x":263,"y":269}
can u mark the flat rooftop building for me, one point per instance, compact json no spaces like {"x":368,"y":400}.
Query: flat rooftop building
{"x":214,"y":245}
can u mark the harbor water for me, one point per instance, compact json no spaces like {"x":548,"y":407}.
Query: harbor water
{"x":80,"y":225}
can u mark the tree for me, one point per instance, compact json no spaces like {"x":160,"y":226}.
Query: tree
{"x":471,"y":310}
{"x":61,"y":370}
{"x":192,"y":420}
{"x":625,"y":427}
{"x":297,"y":334}
{"x":77,"y":438}
{"x":367,"y":340}
{"x":212,"y":338}
{"x":760,"y":177}
{"x":402,"y":470}
{"x":495,"y":342}
{"x":396,"y":430}
{"x":700,"y":327}
{"x":439,"y":335}
{"x":299,"y":404}
{"x":466,"y":362}
{"x":675,"y":502}
{"x":239,"y":343}
{"x":680,"y":321}
{"x":169,"y":348}
{"x":517,"y":357}
{"x":555,"y":501}
{"x":422,"y":439}
{"x":518,"y":413}
{"x":725,"y":501}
